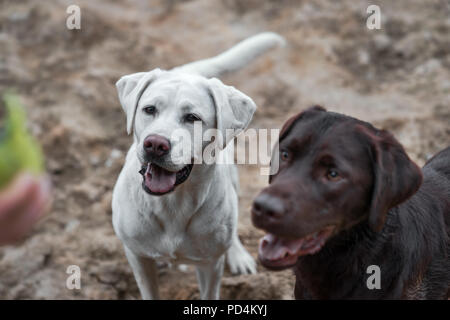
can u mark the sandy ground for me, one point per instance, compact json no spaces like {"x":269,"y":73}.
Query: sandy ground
{"x":397,"y":77}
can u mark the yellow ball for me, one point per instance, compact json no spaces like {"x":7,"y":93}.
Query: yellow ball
{"x":19,"y":151}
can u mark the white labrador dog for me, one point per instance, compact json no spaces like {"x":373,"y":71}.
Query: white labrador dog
{"x":165,"y":207}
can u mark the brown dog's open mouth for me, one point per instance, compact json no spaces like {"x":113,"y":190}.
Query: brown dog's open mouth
{"x":159,"y":181}
{"x":279,"y":253}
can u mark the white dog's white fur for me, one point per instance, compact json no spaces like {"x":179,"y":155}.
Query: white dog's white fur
{"x":197,"y":222}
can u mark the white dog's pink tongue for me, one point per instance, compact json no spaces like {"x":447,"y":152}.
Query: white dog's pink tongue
{"x":159,"y":180}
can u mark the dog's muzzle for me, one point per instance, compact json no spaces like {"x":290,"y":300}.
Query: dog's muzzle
{"x":159,"y":181}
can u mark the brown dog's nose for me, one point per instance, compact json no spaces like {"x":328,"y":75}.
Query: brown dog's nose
{"x":266,"y":205}
{"x":156,"y":145}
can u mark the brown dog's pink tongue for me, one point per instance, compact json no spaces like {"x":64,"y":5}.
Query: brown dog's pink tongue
{"x":274,"y":248}
{"x":159,"y":180}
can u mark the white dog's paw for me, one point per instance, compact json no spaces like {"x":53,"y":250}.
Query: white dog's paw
{"x":240,"y":261}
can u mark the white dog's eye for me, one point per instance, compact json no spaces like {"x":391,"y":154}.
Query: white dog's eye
{"x":190,"y":117}
{"x":151,"y":110}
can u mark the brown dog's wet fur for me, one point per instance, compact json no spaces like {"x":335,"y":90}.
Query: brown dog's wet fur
{"x":343,"y":174}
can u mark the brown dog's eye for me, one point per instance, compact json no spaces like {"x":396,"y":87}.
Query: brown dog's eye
{"x":284,"y":155}
{"x":151,"y":110}
{"x":333,"y":175}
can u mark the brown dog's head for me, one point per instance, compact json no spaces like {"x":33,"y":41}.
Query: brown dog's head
{"x":334,"y":173}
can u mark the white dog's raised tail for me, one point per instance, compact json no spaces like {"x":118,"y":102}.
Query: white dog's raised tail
{"x":236,"y":57}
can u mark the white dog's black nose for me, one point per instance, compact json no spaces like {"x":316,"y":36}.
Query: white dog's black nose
{"x":156,"y":146}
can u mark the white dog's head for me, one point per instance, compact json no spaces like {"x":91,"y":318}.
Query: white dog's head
{"x":162,"y":108}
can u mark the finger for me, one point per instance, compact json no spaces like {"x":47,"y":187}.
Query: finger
{"x":23,"y":220}
{"x":43,"y":198}
{"x":17,"y":194}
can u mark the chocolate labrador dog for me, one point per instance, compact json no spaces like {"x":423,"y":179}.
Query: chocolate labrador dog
{"x":347,"y":200}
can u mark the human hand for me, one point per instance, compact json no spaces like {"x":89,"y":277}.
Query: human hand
{"x":22,"y":203}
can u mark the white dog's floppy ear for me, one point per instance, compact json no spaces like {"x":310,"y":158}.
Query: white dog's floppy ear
{"x":130,"y":89}
{"x":234,"y":110}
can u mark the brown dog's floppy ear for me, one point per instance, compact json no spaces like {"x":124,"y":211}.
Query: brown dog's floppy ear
{"x":396,"y":176}
{"x":130,"y":89}
{"x":287,"y":127}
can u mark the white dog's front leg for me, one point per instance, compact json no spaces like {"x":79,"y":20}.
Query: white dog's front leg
{"x":209,"y":276}
{"x":239,"y":260}
{"x":146,"y":274}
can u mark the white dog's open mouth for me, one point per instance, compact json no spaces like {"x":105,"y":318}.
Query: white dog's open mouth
{"x":159,"y":181}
